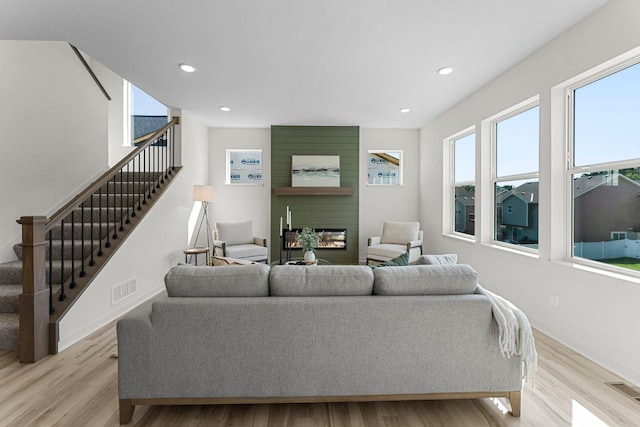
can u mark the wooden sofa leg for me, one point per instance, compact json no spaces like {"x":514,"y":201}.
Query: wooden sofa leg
{"x":515,"y":399}
{"x":126,"y":411}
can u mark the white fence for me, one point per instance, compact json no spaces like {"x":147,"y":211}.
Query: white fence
{"x":607,"y":250}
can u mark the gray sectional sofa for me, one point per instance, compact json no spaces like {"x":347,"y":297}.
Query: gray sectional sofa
{"x":255,"y":334}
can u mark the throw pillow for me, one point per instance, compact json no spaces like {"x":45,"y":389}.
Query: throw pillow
{"x":235,"y":233}
{"x":225,"y":260}
{"x":436,"y":259}
{"x":397,"y":261}
{"x":399,"y":233}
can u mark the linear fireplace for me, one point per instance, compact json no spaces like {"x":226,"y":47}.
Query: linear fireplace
{"x":329,"y":238}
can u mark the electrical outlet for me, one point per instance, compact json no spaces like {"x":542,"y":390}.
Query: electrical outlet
{"x":555,"y":301}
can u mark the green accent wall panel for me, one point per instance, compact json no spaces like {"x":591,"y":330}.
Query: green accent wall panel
{"x":316,"y":211}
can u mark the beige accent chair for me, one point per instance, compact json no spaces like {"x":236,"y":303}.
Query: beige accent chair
{"x":397,"y":238}
{"x":236,"y":240}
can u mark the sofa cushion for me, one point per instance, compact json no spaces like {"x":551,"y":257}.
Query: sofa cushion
{"x":225,"y":281}
{"x":235,"y":233}
{"x":402,"y":259}
{"x":436,"y":259}
{"x":456,"y":279}
{"x":399,"y":232}
{"x":320,"y":280}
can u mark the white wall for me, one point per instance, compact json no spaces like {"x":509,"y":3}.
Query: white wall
{"x":244,"y":202}
{"x":379,"y":203}
{"x":51,"y":112}
{"x":152,"y":248}
{"x":598,"y":314}
{"x":235,"y":203}
{"x":115,"y":87}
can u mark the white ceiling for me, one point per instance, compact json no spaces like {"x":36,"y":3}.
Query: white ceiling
{"x":322,"y":62}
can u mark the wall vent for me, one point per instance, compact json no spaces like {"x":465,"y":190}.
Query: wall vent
{"x":626,"y":390}
{"x":122,"y":291}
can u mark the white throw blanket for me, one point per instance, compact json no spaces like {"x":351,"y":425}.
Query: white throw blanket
{"x":515,"y":334}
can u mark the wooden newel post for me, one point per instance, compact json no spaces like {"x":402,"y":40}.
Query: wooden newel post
{"x":34,"y":300}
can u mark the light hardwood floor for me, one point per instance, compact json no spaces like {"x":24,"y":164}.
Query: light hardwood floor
{"x":79,"y":388}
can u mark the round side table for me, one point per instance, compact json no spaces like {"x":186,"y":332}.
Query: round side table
{"x":195,"y":252}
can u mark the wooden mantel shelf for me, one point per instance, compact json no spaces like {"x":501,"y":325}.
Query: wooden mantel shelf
{"x":315,"y":191}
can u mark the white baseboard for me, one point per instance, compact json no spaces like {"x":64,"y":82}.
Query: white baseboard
{"x":74,"y":337}
{"x":621,"y":370}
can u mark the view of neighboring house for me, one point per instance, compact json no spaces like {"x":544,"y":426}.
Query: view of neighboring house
{"x":142,"y":127}
{"x":517,"y":210}
{"x":465,"y":209}
{"x":606,"y":207}
{"x":517,"y":214}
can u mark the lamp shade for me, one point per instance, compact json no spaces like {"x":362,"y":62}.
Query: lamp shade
{"x":204,"y":193}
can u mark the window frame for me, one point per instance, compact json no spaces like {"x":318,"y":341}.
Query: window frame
{"x":571,"y":169}
{"x":450,"y":221}
{"x":493,"y":121}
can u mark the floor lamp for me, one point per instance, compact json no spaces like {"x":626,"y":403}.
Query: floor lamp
{"x":204,"y":194}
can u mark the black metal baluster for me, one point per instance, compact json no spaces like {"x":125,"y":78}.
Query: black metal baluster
{"x":92,"y":262}
{"x":100,"y":253}
{"x":149,"y":179}
{"x":115,"y":210}
{"x":138,"y":175}
{"x":162,"y":167}
{"x":157,"y":172}
{"x":73,"y":250}
{"x":108,"y":242}
{"x":121,"y":202}
{"x":62,"y":296}
{"x":130,"y":199}
{"x":51,"y":309}
{"x":173,"y":152}
{"x":144,"y":176}
{"x":83,"y":272}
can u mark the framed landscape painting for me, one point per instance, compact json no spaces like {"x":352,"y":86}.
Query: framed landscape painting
{"x":315,"y":171}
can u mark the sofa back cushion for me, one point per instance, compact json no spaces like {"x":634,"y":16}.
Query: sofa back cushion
{"x":453,"y":279}
{"x":224,"y":281}
{"x":399,"y":232}
{"x":235,"y":233}
{"x":320,"y":280}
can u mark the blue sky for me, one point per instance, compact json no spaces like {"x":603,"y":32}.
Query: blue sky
{"x":144,"y":105}
{"x":607,"y":114}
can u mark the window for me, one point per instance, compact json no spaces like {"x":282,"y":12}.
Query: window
{"x":384,"y":167}
{"x":604,"y":168}
{"x":515,"y":138}
{"x":144,"y":114}
{"x":244,"y":167}
{"x":463,"y":149}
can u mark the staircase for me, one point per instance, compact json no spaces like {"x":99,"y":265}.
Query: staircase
{"x":66,"y":251}
{"x":67,"y":244}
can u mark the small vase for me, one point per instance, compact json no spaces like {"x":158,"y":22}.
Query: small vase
{"x":309,"y":256}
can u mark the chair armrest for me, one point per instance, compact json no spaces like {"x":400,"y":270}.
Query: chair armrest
{"x":219,"y":244}
{"x":373,"y":240}
{"x":260,"y":241}
{"x":414,"y":244}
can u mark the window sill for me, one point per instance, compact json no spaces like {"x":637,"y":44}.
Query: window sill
{"x":514,"y":249}
{"x":460,"y":236}
{"x":602,"y":270}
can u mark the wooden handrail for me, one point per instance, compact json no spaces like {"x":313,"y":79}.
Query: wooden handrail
{"x":87,"y":192}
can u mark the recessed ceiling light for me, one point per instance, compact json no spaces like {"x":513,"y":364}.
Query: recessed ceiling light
{"x":445,"y":70}
{"x":405,"y":110}
{"x":225,"y":109}
{"x":187,"y":68}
